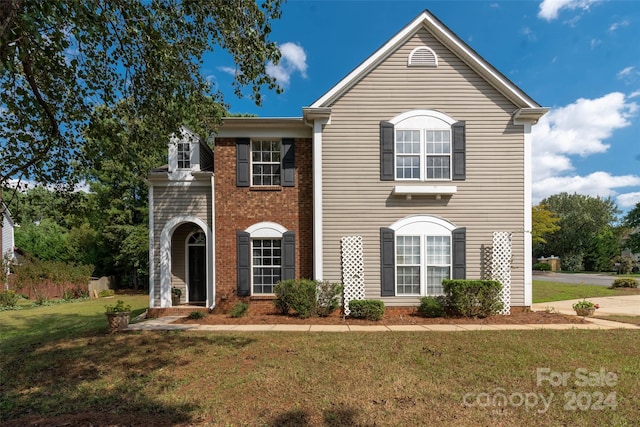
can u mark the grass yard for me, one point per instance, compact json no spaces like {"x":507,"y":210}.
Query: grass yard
{"x":556,"y":291}
{"x":60,"y":367}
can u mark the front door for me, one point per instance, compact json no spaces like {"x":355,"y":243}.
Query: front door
{"x":197,"y":269}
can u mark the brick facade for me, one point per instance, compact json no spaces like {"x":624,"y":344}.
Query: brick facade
{"x":237,"y":208}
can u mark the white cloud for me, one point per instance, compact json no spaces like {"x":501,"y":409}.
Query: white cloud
{"x":579,"y":129}
{"x":628,"y":200}
{"x":626,"y":72}
{"x":634,"y":94}
{"x":596,"y":184}
{"x":228,"y":70}
{"x":617,"y":25}
{"x":293,"y":59}
{"x":549,"y":9}
{"x":595,"y":43}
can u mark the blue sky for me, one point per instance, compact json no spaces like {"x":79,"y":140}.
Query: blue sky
{"x":581,"y":58}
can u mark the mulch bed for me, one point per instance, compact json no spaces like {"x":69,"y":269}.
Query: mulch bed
{"x":532,"y":317}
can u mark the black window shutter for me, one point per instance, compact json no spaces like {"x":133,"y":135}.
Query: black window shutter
{"x":387,"y":262}
{"x":288,"y":162}
{"x":386,"y":151}
{"x":459,"y":237}
{"x":243,"y":153}
{"x":459,"y":151}
{"x":244,"y":263}
{"x":288,"y":255}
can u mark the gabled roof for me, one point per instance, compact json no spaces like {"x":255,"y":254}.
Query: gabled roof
{"x":452,"y":42}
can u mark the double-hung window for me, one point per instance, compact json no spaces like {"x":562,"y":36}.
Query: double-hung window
{"x":422,"y":263}
{"x":184,"y":155}
{"x":422,"y":145}
{"x":266,"y":264}
{"x":265,"y":162}
{"x":423,"y":154}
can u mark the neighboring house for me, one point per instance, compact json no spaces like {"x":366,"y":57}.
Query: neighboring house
{"x":394,"y":179}
{"x":8,"y":241}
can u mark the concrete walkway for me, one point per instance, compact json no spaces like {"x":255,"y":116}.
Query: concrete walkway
{"x":628,"y":305}
{"x":625,"y":305}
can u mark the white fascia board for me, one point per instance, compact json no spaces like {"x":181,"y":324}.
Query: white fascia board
{"x":450,"y":40}
{"x":528,"y":115}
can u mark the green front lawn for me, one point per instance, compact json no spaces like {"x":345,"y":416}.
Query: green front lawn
{"x":556,"y":291}
{"x":60,"y":367}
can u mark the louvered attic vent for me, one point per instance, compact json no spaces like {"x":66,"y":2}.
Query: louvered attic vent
{"x":423,"y":57}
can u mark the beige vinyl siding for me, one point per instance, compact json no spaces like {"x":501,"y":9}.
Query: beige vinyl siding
{"x":170,"y":202}
{"x":356,"y":202}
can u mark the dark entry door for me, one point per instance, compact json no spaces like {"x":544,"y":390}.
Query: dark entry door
{"x":197,"y":274}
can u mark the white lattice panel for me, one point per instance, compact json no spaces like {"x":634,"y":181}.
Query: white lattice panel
{"x":352,"y":270}
{"x":501,"y":267}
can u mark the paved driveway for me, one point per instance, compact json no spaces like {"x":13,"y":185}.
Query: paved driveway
{"x":575,"y":278}
{"x":628,"y":305}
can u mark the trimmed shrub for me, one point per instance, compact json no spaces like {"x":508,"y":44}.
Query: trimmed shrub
{"x":366,"y":309}
{"x":9,"y":299}
{"x":328,"y":297}
{"x":197,"y":315}
{"x":298,"y":295}
{"x":541,"y":266}
{"x":572,"y":262}
{"x":106,"y":293}
{"x":432,"y":306}
{"x":624,"y":264}
{"x":473,"y":298}
{"x":624,"y":282}
{"x":240,"y":310}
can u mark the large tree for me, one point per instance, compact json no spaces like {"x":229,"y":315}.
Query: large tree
{"x":586,"y":232}
{"x":632,"y":221}
{"x":544,"y":223}
{"x":61,"y":60}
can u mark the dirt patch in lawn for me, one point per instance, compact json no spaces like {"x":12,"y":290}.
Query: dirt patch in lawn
{"x":516,"y":318}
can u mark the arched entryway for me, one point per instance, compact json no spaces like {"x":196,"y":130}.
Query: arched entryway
{"x":180,"y":236}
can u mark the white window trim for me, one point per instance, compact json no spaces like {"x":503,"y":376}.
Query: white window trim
{"x":281,"y":249}
{"x":422,"y":225}
{"x":175,"y":173}
{"x":424,"y":120}
{"x":424,"y":266}
{"x":264,"y":230}
{"x":264,"y":139}
{"x":423,"y":155}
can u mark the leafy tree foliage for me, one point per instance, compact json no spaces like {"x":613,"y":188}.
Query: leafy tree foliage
{"x":632,"y":221}
{"x":61,"y":60}
{"x":586,"y":229}
{"x":45,"y":240}
{"x":67,"y":209}
{"x":544,"y":222}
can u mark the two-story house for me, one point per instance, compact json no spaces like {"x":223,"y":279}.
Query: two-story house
{"x":396,"y":178}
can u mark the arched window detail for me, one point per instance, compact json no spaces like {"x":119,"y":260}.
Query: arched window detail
{"x":197,"y":239}
{"x":418,"y":253}
{"x":423,"y":56}
{"x":266,"y":255}
{"x":422,"y":145}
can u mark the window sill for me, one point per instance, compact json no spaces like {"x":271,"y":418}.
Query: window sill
{"x":425,"y":190}
{"x":266,"y":188}
{"x":262,"y":297}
